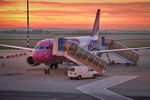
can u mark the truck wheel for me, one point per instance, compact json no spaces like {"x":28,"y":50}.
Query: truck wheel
{"x":65,"y":73}
{"x":79,"y":77}
{"x":94,"y":76}
{"x":127,"y":64}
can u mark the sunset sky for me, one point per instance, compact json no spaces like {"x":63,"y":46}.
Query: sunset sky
{"x":77,"y":14}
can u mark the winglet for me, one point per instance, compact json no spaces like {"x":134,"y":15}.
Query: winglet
{"x":96,"y":24}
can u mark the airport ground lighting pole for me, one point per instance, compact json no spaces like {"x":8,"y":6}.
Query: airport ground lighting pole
{"x":28,"y":23}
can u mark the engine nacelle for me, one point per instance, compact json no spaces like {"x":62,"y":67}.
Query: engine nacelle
{"x":31,"y":61}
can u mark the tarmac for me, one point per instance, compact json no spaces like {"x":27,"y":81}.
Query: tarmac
{"x":19,"y":81}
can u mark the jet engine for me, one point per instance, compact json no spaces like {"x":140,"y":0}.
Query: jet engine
{"x":31,"y":61}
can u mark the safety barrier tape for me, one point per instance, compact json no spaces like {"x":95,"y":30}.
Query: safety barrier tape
{"x":13,"y":56}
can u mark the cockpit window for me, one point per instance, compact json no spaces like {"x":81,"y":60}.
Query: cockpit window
{"x":42,"y":47}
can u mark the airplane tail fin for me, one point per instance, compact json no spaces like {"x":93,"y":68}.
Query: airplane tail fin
{"x":95,"y":30}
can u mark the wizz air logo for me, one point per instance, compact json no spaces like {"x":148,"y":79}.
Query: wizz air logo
{"x":92,"y":45}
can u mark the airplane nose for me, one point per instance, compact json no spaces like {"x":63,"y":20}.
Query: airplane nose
{"x":39,"y":55}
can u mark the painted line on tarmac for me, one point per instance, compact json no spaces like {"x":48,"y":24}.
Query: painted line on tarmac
{"x":99,"y":89}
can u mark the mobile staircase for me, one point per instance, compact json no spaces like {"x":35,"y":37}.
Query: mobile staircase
{"x":129,"y":56}
{"x":77,"y":54}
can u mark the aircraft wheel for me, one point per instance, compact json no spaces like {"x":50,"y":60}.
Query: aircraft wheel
{"x":61,"y":62}
{"x":56,"y":65}
{"x":47,"y":71}
{"x":51,"y":66}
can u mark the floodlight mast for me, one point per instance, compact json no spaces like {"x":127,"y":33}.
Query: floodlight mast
{"x":28,"y":25}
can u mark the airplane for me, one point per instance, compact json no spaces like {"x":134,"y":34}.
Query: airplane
{"x":42,"y":52}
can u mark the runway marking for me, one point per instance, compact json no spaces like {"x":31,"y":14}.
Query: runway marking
{"x":99,"y":89}
{"x":54,"y":99}
{"x":7,"y":94}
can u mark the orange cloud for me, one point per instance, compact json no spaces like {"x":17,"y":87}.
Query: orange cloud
{"x":115,"y":15}
{"x":4,"y":3}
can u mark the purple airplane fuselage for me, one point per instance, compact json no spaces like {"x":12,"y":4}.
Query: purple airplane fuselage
{"x":43,"y":52}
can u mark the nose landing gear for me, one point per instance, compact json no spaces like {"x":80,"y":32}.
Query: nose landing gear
{"x":51,"y":66}
{"x":47,"y":71}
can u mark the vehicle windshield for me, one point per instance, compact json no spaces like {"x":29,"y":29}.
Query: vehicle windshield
{"x":71,"y":69}
{"x":90,"y":69}
{"x":42,"y":47}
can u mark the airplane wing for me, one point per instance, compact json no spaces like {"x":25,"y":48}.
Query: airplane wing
{"x":17,"y":47}
{"x":125,"y":49}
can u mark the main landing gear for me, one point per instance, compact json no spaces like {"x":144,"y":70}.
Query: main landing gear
{"x":51,"y":66}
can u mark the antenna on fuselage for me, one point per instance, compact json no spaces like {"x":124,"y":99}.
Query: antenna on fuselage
{"x":27,"y":28}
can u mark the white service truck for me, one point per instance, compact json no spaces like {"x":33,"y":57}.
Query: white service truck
{"x":79,"y":72}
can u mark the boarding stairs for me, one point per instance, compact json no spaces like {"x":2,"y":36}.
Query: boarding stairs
{"x":130,"y":56}
{"x":77,"y":54}
{"x":72,"y":59}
